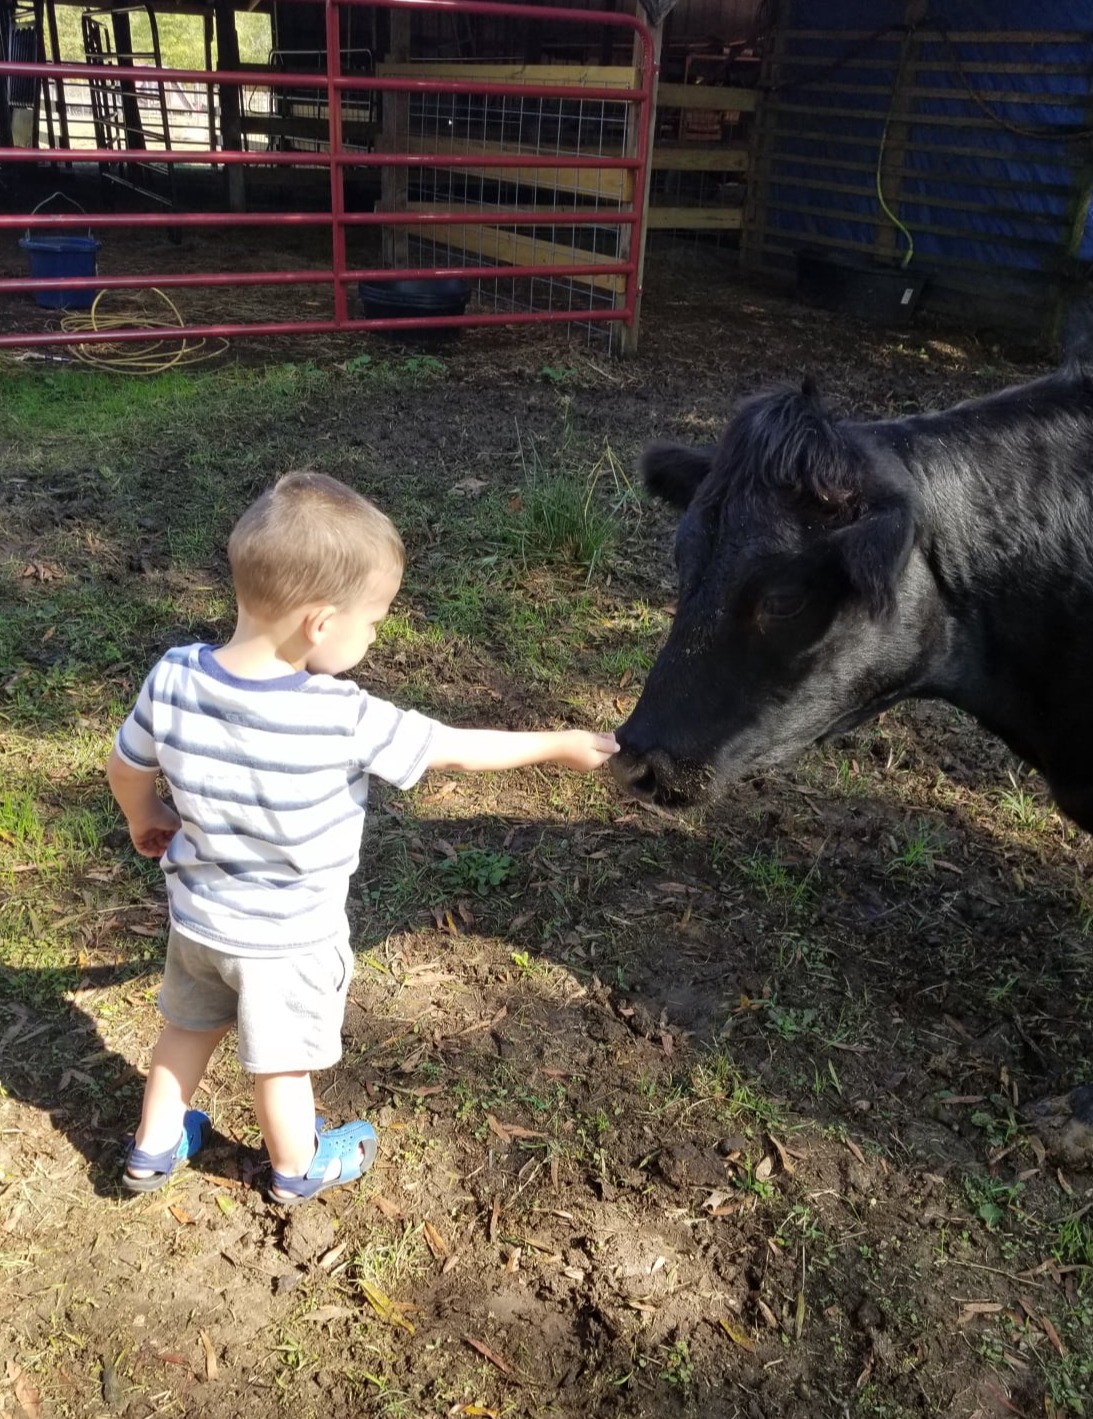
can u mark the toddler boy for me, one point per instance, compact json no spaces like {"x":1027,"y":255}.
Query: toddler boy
{"x":267,"y":756}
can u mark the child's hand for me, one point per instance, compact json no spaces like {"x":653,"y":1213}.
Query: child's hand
{"x":152,"y":833}
{"x":579,"y":749}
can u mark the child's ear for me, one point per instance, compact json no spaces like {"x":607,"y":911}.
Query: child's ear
{"x":317,"y":623}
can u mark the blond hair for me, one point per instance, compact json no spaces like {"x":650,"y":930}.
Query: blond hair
{"x":309,"y":539}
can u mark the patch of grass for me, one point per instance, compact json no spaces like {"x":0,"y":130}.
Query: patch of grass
{"x":774,"y":881}
{"x":563,"y":515}
{"x":719,"y":1089}
{"x":1026,"y":812}
{"x":1074,"y":1244}
{"x":915,"y":849}
{"x":388,"y":1261}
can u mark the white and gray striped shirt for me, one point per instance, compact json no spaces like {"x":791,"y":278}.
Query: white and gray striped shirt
{"x":270,"y":779}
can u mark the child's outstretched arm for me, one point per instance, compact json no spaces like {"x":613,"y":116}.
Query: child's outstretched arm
{"x":474,"y":750}
{"x":152,"y":823}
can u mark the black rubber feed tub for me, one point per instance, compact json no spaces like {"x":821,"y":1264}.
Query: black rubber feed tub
{"x":409,"y":299}
{"x":857,"y":286}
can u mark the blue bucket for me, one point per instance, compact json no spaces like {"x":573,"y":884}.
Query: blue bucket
{"x":59,"y":256}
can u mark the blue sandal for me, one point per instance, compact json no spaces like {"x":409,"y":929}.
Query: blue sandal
{"x":353,"y":1146}
{"x":196,"y":1127}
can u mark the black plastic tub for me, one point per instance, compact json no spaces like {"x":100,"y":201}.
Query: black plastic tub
{"x":416,"y":299}
{"x":858,"y":286}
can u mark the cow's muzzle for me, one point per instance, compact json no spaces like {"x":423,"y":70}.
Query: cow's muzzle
{"x":656,"y":777}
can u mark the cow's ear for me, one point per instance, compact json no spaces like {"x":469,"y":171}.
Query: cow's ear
{"x":875,"y":548}
{"x":673,"y":472}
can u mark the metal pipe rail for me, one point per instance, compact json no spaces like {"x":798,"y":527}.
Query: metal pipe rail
{"x":340,"y":275}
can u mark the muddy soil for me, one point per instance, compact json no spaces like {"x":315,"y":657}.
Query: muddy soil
{"x":721,"y":1114}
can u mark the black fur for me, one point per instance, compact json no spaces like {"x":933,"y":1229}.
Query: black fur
{"x":829,"y":568}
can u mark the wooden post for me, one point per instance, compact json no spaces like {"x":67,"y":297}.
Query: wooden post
{"x":59,"y":84}
{"x":231,"y":112}
{"x":628,"y":334}
{"x":761,"y":145}
{"x":394,"y":138}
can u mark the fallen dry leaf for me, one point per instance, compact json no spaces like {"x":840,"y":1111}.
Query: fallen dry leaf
{"x":436,"y":1243}
{"x":487,"y":1354}
{"x":181,"y":1216}
{"x":1052,"y":1334}
{"x":390,"y":1210}
{"x":322,"y":1313}
{"x":978,"y":1308}
{"x":735,"y":1334}
{"x":498,"y":1129}
{"x":328,"y":1258}
{"x":384,"y":1307}
{"x":783,"y":1155}
{"x":26,"y":1391}
{"x":764,"y":1168}
{"x":211,"y":1370}
{"x":857,"y":1152}
{"x":469,"y":487}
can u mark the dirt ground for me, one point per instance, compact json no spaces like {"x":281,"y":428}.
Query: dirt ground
{"x":720,"y":1114}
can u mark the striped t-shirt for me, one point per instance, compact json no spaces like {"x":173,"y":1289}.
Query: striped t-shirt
{"x":270,"y":779}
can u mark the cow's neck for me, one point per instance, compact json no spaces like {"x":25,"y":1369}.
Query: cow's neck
{"x":1007,"y":537}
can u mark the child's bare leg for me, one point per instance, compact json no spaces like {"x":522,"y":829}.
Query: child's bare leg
{"x":179,"y":1061}
{"x":285,"y":1105}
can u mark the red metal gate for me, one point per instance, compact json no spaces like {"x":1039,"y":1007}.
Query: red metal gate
{"x":619,"y":271}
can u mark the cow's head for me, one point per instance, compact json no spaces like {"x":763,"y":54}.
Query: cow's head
{"x":800,"y":607}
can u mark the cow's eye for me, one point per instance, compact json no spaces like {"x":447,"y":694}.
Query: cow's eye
{"x":782,"y":605}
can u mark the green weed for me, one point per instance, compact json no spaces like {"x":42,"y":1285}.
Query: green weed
{"x":992,"y":1199}
{"x":477,"y":870}
{"x":678,"y":1369}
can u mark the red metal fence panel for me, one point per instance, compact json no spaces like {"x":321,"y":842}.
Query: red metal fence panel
{"x":520,"y":231}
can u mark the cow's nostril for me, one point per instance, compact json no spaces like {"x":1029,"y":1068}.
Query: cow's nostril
{"x":645,"y":782}
{"x":635,"y":773}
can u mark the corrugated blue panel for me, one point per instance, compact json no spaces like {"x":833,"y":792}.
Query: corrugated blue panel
{"x":1009,"y":202}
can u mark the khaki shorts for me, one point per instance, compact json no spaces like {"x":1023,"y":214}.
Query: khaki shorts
{"x":288,"y":1010}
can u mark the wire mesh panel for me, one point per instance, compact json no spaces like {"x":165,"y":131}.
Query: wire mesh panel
{"x":554,"y":131}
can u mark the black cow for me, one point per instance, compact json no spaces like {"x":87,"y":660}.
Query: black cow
{"x":830,"y":568}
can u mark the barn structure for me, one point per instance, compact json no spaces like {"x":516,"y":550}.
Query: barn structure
{"x":309,"y":165}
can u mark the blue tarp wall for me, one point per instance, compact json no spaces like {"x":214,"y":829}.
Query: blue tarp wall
{"x":979,"y":118}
